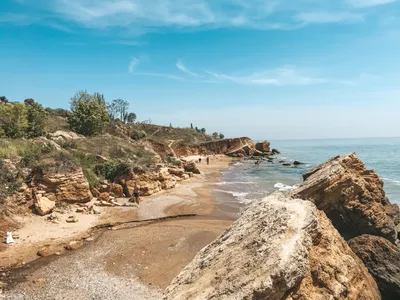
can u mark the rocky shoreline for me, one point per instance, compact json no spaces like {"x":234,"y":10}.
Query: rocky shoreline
{"x":336,"y":236}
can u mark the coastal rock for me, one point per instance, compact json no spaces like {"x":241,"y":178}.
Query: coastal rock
{"x":296,"y":163}
{"x":351,"y":196}
{"x":263,"y":146}
{"x":63,"y":136}
{"x":191,"y":167}
{"x":275,"y":151}
{"x":69,"y":187}
{"x":74,"y":245}
{"x":43,"y":205}
{"x":104,"y":196}
{"x":232,"y":147}
{"x":382,"y":259}
{"x":116,"y":190}
{"x":176,"y":172}
{"x":280,"y":248}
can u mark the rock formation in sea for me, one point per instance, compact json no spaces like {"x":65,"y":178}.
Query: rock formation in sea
{"x":352,"y":197}
{"x":280,"y":248}
{"x":382,"y":259}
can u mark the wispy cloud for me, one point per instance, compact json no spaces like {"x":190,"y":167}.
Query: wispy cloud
{"x":369,"y":3}
{"x":163,"y":75}
{"x":278,"y":77}
{"x":136,"y":17}
{"x":330,"y":17}
{"x":133,"y":64}
{"x":182,"y":67}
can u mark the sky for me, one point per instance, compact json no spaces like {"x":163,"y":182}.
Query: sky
{"x":267,"y":69}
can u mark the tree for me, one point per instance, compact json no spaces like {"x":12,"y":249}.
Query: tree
{"x":197,"y":129}
{"x":131,"y":117}
{"x":88,"y":115}
{"x":215,"y":135}
{"x":37,"y":117}
{"x":13,"y":120}
{"x":203,"y":130}
{"x":118,"y":109}
{"x":221,"y":136}
{"x":3,"y":99}
{"x":29,"y":101}
{"x":191,"y":125}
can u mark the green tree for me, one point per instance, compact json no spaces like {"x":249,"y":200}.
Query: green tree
{"x":221,"y":136}
{"x":88,"y":115}
{"x":191,"y":125}
{"x":131,"y":117}
{"x":29,"y":101}
{"x":203,"y":130}
{"x":37,"y":117}
{"x":215,"y":135}
{"x":118,"y":109}
{"x":13,"y":120}
{"x":3,"y":99}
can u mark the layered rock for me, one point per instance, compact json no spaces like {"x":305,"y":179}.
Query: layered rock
{"x":234,"y":147}
{"x":69,"y":187}
{"x":382,"y":259}
{"x":191,"y":167}
{"x":351,"y":196}
{"x":60,"y":135}
{"x":263,"y":146}
{"x":279,"y":248}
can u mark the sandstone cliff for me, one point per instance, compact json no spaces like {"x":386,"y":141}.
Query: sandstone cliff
{"x":279,"y":248}
{"x":234,"y":147}
{"x":352,"y":197}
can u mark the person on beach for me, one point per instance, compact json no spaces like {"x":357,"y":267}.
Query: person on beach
{"x":208,"y":160}
{"x":136,"y":194}
{"x":199,"y":160}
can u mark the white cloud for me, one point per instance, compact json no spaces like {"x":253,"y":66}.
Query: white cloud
{"x":279,"y":77}
{"x":369,"y":3}
{"x":141,"y":16}
{"x":133,"y":64}
{"x":182,"y":67}
{"x":168,"y":76}
{"x":329,"y":17}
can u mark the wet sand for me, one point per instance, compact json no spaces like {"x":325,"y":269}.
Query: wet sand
{"x":135,"y":261}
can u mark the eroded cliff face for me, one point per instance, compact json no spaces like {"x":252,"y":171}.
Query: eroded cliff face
{"x":352,"y":197}
{"x":234,"y":147}
{"x":68,"y":187}
{"x":280,"y":248}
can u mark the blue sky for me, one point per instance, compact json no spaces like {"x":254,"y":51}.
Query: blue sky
{"x":259,"y":68}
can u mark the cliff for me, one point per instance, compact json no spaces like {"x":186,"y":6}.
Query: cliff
{"x":279,"y":248}
{"x":352,"y":197}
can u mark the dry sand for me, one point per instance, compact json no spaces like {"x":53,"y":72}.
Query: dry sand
{"x":137,"y":262}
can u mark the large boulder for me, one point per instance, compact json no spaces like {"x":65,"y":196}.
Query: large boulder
{"x":263,"y":146}
{"x":352,"y":197}
{"x":279,"y":248}
{"x":191,"y":167}
{"x":70,"y":187}
{"x":43,"y":205}
{"x":382,"y":259}
{"x":60,"y":135}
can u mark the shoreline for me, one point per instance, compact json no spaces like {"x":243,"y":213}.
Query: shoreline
{"x":188,"y":235}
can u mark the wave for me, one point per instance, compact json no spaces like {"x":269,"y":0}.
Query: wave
{"x":234,"y":182}
{"x":396,"y":182}
{"x":238,"y":164}
{"x":285,"y":188}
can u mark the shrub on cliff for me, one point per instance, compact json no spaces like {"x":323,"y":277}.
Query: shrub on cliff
{"x":36,"y":117}
{"x":88,"y":115}
{"x":13,"y":120}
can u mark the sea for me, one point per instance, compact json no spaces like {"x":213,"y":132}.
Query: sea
{"x":243,"y":182}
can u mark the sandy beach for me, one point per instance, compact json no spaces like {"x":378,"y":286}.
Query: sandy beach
{"x":132,"y":261}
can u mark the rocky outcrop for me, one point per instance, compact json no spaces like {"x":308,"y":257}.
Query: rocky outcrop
{"x":352,"y":197}
{"x":69,"y":187}
{"x":382,"y":259}
{"x":43,"y":205}
{"x":191,"y":167}
{"x":62,"y":136}
{"x":279,"y":248}
{"x":234,"y":147}
{"x":263,"y":146}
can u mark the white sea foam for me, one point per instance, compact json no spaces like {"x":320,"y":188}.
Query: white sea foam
{"x":396,"y":182}
{"x":284,"y":188}
{"x":234,"y":182}
{"x":238,"y":164}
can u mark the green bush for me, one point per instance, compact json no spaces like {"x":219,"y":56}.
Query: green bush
{"x":13,"y":120}
{"x":91,"y":177}
{"x":88,"y":116}
{"x":112,"y":171}
{"x":37,"y":118}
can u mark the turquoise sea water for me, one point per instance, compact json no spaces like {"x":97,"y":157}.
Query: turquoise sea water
{"x":247,"y":182}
